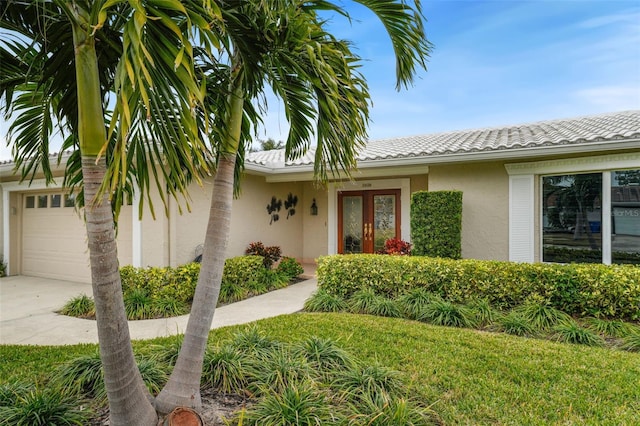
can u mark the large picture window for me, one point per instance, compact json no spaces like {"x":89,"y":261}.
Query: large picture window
{"x":573,"y":209}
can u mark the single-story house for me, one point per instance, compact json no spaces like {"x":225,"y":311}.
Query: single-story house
{"x":560,"y":190}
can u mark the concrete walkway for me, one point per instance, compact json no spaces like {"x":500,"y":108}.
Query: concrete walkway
{"x":28,"y":317}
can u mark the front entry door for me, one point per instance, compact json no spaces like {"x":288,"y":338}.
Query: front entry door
{"x":366,"y":219}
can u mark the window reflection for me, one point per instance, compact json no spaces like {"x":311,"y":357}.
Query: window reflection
{"x":572,"y":218}
{"x":625,"y":216}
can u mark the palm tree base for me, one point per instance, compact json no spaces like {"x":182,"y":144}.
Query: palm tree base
{"x":183,"y":416}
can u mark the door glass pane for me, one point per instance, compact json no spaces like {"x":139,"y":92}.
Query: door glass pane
{"x":352,"y":224}
{"x":625,"y":216}
{"x":572,"y":218}
{"x":384,"y":220}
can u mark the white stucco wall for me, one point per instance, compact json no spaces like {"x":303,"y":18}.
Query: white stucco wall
{"x":485,"y":206}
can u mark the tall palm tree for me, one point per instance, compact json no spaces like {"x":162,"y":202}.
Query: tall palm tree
{"x":70,"y":60}
{"x":282,"y":45}
{"x":137,"y":55}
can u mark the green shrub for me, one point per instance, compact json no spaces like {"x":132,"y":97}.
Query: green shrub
{"x":3,"y":268}
{"x":138,"y":304}
{"x":604,"y":291}
{"x":223,"y":370}
{"x":442,"y":312}
{"x":322,"y":301}
{"x":289,"y":267}
{"x":632,"y":342}
{"x":297,"y":404}
{"x":436,"y":223}
{"x":362,"y":301}
{"x":269,"y":255}
{"x":82,"y":376}
{"x":610,"y":328}
{"x":43,"y":407}
{"x":572,"y":333}
{"x":542,"y":316}
{"x":413,"y":301}
{"x":516,"y":324}
{"x":81,"y":306}
{"x":242,"y":270}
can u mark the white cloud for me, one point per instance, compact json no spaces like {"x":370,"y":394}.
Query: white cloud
{"x":611,"y":97}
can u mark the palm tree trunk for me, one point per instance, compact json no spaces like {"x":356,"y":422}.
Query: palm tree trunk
{"x":129,"y":400}
{"x":183,"y":387}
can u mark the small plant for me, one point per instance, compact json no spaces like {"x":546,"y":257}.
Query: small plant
{"x":483,"y":313}
{"x":362,"y":301}
{"x":543,"y":316}
{"x":82,"y":376}
{"x":323,"y":301}
{"x":3,"y":268}
{"x":396,"y":246}
{"x":632,"y":342}
{"x":368,"y":380}
{"x":167,"y":353}
{"x":223,"y":370}
{"x":42,"y":407}
{"x":81,"y":306}
{"x":270,"y":254}
{"x":376,"y":410}
{"x":275,"y":370}
{"x":570,"y":332}
{"x":137,"y":304}
{"x":385,"y":307}
{"x":323,"y":354}
{"x":231,"y":292}
{"x":610,"y":328}
{"x":516,"y":324}
{"x":415,"y":300}
{"x":153,"y":374}
{"x":167,"y":307}
{"x":251,"y":342}
{"x":298,"y":405}
{"x":272,"y":279}
{"x":442,"y":312}
{"x":290,"y":268}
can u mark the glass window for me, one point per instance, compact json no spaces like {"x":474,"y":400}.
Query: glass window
{"x":30,"y":201}
{"x":572,"y":218}
{"x":625,"y":216}
{"x":42,"y":201}
{"x":352,"y":224}
{"x":70,"y":200}
{"x":55,"y":200}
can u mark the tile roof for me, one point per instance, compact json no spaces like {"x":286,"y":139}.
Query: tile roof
{"x":612,"y":127}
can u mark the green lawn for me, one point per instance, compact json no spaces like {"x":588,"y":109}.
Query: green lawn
{"x":470,"y":377}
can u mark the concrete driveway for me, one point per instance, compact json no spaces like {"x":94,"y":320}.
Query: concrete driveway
{"x":28,"y":315}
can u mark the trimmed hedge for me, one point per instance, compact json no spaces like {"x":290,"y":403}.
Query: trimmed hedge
{"x":436,"y":223}
{"x":611,"y":291}
{"x":180,"y":283}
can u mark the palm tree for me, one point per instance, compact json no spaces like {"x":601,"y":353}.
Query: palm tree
{"x":138,"y":56}
{"x":69,"y":60}
{"x":283,"y":45}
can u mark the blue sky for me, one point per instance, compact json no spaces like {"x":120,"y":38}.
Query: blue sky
{"x":497,"y":63}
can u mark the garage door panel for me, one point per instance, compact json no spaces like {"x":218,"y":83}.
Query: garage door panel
{"x":54,"y":243}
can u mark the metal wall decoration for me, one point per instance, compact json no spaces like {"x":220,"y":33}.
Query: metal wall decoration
{"x":273,"y":208}
{"x":290,"y":204}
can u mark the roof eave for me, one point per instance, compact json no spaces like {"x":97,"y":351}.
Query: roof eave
{"x":305,"y":172}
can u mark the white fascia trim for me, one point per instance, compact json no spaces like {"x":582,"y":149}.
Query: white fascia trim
{"x":576,"y":165}
{"x":280,"y":173}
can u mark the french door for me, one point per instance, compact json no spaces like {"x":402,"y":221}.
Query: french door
{"x":366,"y":219}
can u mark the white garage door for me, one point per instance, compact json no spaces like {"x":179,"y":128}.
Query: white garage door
{"x":54,"y":243}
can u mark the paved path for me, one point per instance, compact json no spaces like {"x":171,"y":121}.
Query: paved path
{"x":28,"y":317}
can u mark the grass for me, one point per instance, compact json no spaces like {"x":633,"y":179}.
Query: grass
{"x":470,"y":376}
